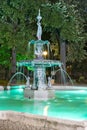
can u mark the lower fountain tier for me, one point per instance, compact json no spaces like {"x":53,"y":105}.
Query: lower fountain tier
{"x":39,"y":63}
{"x":38,"y":94}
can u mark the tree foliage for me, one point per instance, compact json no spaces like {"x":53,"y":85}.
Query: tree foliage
{"x":18,"y":25}
{"x":5,"y":56}
{"x":67,"y":20}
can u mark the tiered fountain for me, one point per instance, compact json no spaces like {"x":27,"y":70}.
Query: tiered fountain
{"x":67,"y":111}
{"x":40,"y":89}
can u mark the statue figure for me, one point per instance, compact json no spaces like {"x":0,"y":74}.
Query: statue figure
{"x":28,"y":82}
{"x":39,"y":30}
{"x":49,"y":82}
{"x":38,"y":52}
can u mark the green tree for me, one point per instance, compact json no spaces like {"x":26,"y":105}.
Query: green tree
{"x":64,"y":21}
{"x":17,"y":26}
{"x":61,"y":20}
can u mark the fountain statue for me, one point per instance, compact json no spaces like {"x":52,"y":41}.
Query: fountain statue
{"x":40,"y":89}
{"x":49,"y":82}
{"x":28,"y":82}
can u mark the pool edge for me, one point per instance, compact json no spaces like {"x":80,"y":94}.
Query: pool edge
{"x":11,"y":120}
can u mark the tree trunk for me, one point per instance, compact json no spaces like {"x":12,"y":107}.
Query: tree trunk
{"x":63,"y":53}
{"x":13,"y":69}
{"x":62,"y":48}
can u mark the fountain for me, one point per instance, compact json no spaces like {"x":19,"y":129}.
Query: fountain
{"x":67,"y":110}
{"x":40,"y":89}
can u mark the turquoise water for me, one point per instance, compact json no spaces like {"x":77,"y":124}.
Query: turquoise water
{"x":66,"y":104}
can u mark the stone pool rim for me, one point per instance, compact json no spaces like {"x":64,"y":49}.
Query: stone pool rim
{"x":55,"y":87}
{"x":11,"y":120}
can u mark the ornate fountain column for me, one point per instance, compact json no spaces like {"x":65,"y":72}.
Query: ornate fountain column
{"x":39,"y":78}
{"x":39,"y":73}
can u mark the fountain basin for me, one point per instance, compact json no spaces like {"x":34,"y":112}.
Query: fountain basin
{"x":66,"y":104}
{"x":38,"y":95}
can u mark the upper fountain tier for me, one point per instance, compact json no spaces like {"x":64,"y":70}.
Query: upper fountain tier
{"x":39,"y":60}
{"x":39,"y":47}
{"x":39,"y":44}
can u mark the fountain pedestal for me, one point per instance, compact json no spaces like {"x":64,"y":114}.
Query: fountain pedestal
{"x":38,"y":94}
{"x":39,"y":78}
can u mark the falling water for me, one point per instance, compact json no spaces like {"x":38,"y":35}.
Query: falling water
{"x":63,"y":77}
{"x":16,"y":74}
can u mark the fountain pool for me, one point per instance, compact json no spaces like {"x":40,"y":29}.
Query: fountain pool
{"x":67,"y":104}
